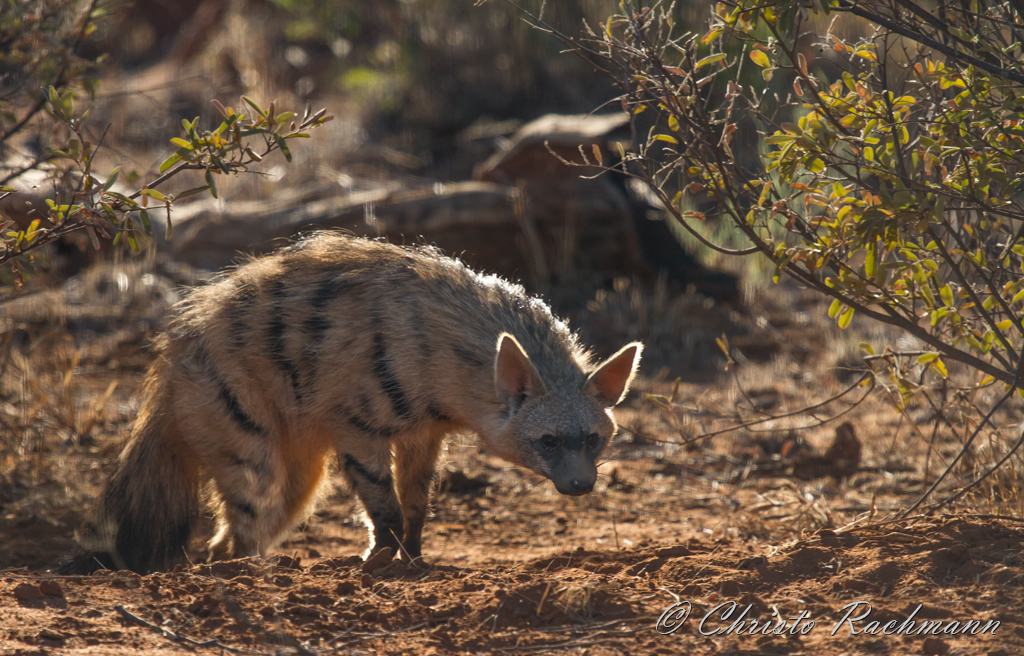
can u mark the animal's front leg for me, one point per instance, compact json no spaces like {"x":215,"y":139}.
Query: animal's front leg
{"x":369,"y":473}
{"x":415,"y":466}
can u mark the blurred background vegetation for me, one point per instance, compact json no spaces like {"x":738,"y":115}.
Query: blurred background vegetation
{"x":416,"y":75}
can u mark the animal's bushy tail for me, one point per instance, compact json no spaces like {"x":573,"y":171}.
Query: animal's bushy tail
{"x":150,"y":504}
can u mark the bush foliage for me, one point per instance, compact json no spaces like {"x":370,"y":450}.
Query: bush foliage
{"x":889,"y":167}
{"x":874,"y":151}
{"x":44,"y":82}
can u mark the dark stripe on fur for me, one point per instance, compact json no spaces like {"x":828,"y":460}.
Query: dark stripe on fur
{"x":224,"y":393}
{"x":319,"y":322}
{"x":436,"y":413}
{"x":418,"y":329}
{"x":362,"y":425}
{"x":388,"y":380}
{"x":245,"y":296}
{"x":258,"y":468}
{"x":244,"y":507}
{"x":328,"y":291}
{"x":384,"y":480}
{"x":230,"y":401}
{"x":468,"y":357}
{"x":275,"y":337}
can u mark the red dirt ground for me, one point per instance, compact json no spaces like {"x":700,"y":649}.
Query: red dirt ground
{"x":516,"y":568}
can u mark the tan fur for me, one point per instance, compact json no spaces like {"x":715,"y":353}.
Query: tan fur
{"x":354,"y":348}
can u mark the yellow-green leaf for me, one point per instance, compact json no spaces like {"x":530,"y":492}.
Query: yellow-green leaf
{"x":947,"y":295}
{"x":147,"y":225}
{"x":111,"y":179}
{"x":846,"y":317}
{"x":170,"y":161}
{"x":210,"y":183}
{"x":760,"y":58}
{"x":707,"y":61}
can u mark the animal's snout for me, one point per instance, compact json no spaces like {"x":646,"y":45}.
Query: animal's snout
{"x":576,"y":487}
{"x":581,"y":486}
{"x":574,"y":474}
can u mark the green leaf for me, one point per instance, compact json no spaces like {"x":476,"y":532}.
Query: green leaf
{"x":283,"y":145}
{"x":191,"y":192}
{"x":181,"y":143}
{"x":846,"y":317}
{"x":711,"y":59}
{"x":169,"y":162}
{"x":833,"y":310}
{"x":111,"y":179}
{"x":147,"y":225}
{"x":660,"y":137}
{"x":928,"y":357}
{"x":903,"y":135}
{"x":210,"y":183}
{"x":712,"y":35}
{"x":947,"y":295}
{"x":256,"y":108}
{"x":869,"y":263}
{"x":760,"y":58}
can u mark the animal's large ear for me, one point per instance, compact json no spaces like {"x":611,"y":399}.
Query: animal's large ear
{"x":610,"y":381}
{"x":515,"y":378}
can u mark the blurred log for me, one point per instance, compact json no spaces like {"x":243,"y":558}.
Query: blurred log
{"x":528,"y":216}
{"x":646,"y":242}
{"x":474,"y":219}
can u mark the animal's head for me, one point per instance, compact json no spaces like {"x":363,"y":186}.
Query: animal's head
{"x":559,"y":433}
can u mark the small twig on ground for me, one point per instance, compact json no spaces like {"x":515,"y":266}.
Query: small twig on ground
{"x":177,"y":637}
{"x":359,"y":637}
{"x":575,"y":643}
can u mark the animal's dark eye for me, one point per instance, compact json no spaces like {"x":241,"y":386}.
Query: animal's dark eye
{"x":549,"y":442}
{"x":592,"y":440}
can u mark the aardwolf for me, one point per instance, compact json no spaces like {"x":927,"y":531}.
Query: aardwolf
{"x":346,"y":346}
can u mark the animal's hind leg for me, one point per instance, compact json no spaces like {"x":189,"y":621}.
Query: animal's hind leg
{"x":306,"y":464}
{"x":250,"y":501}
{"x":415,"y":466}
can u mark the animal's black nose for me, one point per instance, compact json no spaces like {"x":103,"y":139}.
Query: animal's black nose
{"x":580,"y":486}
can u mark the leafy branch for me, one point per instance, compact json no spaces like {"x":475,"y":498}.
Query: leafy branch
{"x":886,"y":173}
{"x":97,"y":206}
